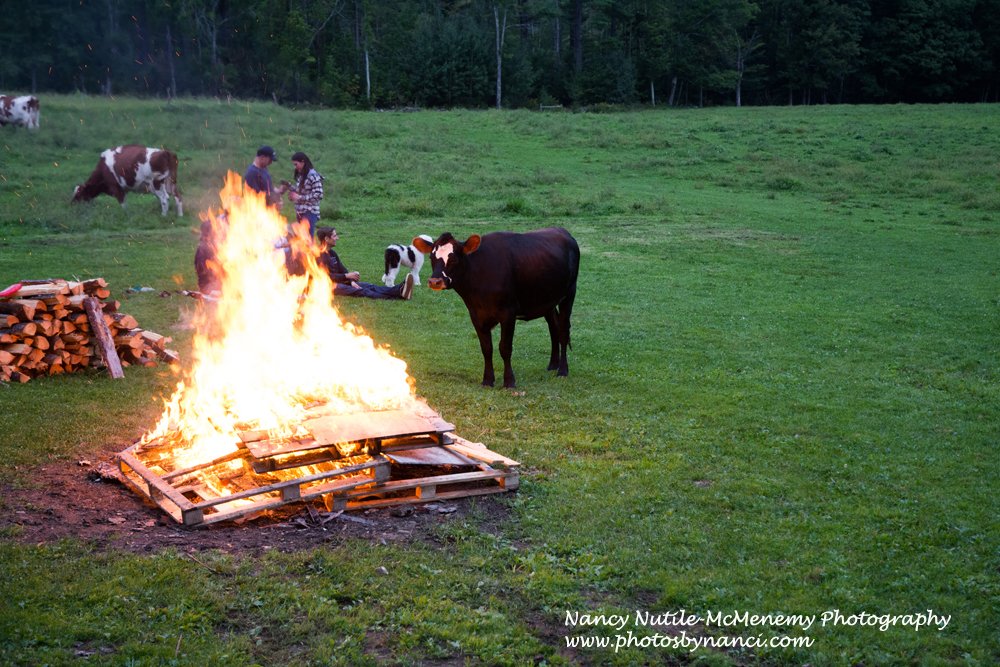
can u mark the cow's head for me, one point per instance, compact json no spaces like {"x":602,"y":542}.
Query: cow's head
{"x":448,"y":259}
{"x":78,"y":195}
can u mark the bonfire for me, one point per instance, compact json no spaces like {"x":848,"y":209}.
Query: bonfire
{"x":284,"y":398}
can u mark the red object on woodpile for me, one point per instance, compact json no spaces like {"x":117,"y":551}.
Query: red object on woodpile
{"x":54,"y":326}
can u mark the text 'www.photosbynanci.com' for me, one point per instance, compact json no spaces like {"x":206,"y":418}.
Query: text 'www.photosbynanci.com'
{"x":723,"y":630}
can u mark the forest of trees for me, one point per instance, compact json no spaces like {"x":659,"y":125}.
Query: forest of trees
{"x":509,"y":53}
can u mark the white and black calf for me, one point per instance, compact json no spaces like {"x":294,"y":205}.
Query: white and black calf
{"x":19,"y":111}
{"x":134,"y":169}
{"x":398,"y":255}
{"x":503,"y":277}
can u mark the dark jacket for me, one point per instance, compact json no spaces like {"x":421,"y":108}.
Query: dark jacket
{"x":260,"y":180}
{"x":331,"y":262}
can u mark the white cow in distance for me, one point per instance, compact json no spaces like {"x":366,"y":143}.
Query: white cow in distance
{"x":19,"y":111}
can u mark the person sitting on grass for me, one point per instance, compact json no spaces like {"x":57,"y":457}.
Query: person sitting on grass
{"x":345,"y":283}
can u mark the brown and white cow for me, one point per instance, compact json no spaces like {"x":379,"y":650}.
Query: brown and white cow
{"x":19,"y":111}
{"x":134,"y":169}
{"x":503,"y":277}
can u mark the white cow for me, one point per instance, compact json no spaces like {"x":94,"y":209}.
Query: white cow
{"x":19,"y":111}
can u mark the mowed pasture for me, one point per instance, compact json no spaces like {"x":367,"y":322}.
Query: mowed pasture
{"x":784,"y":394}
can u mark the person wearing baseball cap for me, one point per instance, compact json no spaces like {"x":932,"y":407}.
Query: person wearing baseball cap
{"x":258,"y":178}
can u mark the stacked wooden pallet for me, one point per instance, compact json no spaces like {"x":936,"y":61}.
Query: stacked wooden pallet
{"x":48,"y":327}
{"x":393,"y":457}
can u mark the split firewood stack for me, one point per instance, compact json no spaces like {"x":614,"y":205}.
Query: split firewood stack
{"x":48,"y":327}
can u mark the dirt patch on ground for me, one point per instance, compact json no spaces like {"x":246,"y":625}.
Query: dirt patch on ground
{"x":81,"y":500}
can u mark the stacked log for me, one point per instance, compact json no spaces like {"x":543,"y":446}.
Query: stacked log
{"x":49,"y":327}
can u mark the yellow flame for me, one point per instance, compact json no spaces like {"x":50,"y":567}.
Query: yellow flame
{"x":273,"y":344}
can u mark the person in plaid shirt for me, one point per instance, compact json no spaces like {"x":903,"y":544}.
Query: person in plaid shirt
{"x":306,"y":191}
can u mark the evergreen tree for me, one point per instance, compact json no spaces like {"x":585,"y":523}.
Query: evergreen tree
{"x":923,"y":51}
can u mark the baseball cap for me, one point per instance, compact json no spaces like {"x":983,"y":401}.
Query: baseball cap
{"x":267,"y":151}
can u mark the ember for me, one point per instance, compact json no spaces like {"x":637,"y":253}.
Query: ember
{"x":287,"y":401}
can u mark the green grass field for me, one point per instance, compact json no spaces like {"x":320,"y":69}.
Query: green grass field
{"x":784,"y":393}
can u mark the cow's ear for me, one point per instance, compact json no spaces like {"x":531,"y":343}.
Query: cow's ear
{"x":471,"y":244}
{"x":422,"y":245}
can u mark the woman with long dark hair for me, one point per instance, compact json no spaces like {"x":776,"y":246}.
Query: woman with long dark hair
{"x":306,"y":190}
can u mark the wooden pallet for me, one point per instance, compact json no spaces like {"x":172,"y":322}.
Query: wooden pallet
{"x":495,"y":474}
{"x":354,"y":482}
{"x":328,"y":437}
{"x":194,"y":505}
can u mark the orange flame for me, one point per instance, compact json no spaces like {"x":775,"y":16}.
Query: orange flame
{"x":273,"y":344}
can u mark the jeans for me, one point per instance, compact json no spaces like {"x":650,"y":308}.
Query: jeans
{"x":313,"y":218}
{"x":369,"y":290}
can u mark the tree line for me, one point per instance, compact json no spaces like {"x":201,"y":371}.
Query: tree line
{"x":509,"y":53}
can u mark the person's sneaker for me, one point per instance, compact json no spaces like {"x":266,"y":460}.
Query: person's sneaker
{"x":407,"y":291}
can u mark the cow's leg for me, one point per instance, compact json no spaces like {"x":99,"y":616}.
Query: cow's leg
{"x":164,"y":198}
{"x":554,"y":338}
{"x":115,"y":191}
{"x":179,"y":204}
{"x":506,"y":349}
{"x":485,"y":334}
{"x":565,"y":310}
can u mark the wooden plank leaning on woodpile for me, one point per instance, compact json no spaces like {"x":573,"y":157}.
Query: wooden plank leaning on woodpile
{"x":46,"y":329}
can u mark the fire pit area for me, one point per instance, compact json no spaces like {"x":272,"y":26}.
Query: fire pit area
{"x":285,"y":401}
{"x":352,"y":461}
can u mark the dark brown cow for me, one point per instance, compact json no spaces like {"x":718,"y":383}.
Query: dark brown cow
{"x":134,"y":169}
{"x":503,"y":277}
{"x":19,"y":111}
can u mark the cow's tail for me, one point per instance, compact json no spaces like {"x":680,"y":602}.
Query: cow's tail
{"x":574,"y":272}
{"x":172,"y":187}
{"x":175,"y":189}
{"x":33,"y":113}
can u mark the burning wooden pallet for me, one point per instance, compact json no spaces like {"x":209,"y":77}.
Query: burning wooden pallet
{"x":352,"y":461}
